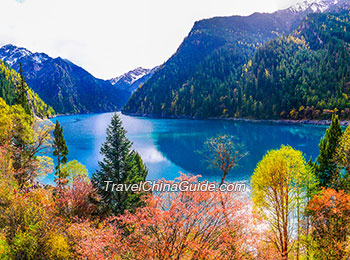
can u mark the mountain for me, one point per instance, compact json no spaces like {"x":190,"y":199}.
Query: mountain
{"x":68,"y":88}
{"x":203,"y":77}
{"x":8,"y":83}
{"x":306,"y":74}
{"x":131,"y":80}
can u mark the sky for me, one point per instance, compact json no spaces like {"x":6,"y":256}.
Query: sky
{"x":111,"y":37}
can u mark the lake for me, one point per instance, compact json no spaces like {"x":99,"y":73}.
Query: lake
{"x":170,"y":146}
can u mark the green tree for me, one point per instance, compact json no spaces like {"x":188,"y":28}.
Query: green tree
{"x":326,"y":169}
{"x":342,"y":158}
{"x":120,"y":165}
{"x":60,"y":149}
{"x":73,"y":170}
{"x":21,"y":93}
{"x":277,"y":192}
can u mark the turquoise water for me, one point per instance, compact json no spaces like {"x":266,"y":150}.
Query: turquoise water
{"x":168,"y":146}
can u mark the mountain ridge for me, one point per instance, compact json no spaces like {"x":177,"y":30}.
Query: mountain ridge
{"x":209,"y":63}
{"x":68,"y":88}
{"x":131,"y":80}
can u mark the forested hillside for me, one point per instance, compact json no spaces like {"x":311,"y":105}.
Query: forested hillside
{"x":8,"y":84}
{"x":210,"y":58}
{"x":303,"y":74}
{"x":68,"y":88}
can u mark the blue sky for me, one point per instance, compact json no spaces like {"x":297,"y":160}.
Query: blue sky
{"x":111,"y":37}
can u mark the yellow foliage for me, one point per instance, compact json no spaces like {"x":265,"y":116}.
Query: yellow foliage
{"x":4,"y":248}
{"x":343,"y":150}
{"x":58,"y":247}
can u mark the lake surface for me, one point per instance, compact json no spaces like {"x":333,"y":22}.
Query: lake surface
{"x":169,"y":146}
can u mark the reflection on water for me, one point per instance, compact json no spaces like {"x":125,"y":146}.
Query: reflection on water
{"x":169,"y":146}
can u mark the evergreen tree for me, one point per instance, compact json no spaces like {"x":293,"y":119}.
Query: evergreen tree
{"x":60,"y":148}
{"x":120,"y":165}
{"x":326,"y":170}
{"x":21,"y":92}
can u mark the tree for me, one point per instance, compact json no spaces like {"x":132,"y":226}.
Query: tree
{"x":342,"y":158}
{"x":78,"y":200}
{"x":330,"y":219}
{"x":24,"y":140}
{"x":31,"y":228}
{"x":224,"y":153}
{"x":74,"y":169}
{"x":175,"y":225}
{"x":326,"y":170}
{"x":277,"y":192}
{"x":60,"y":149}
{"x":21,"y":93}
{"x":120,"y":165}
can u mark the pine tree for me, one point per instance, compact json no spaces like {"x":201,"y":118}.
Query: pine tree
{"x":21,"y":93}
{"x":326,"y":170}
{"x":60,"y":149}
{"x":120,"y":165}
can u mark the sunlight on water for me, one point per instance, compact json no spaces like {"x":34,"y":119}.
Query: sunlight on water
{"x":168,"y":146}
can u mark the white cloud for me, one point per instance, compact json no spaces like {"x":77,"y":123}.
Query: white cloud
{"x":110,"y":37}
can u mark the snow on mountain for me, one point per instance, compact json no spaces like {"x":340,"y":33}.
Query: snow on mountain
{"x":313,"y":6}
{"x":11,"y":54}
{"x":131,"y":80}
{"x":131,"y":76}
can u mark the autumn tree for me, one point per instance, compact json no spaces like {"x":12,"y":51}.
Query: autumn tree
{"x":330,"y":218}
{"x":60,"y":149}
{"x":175,"y":225}
{"x":30,"y":226}
{"x":77,"y":201}
{"x":25,"y":141}
{"x":120,"y":165}
{"x":224,"y":153}
{"x":277,"y":192}
{"x":326,"y":170}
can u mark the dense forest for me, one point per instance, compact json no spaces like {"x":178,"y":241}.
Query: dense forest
{"x":296,"y":209}
{"x":9,"y":81}
{"x":304,"y":74}
{"x":213,"y":53}
{"x":252,"y":67}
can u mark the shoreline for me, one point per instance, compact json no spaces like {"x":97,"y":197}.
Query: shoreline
{"x":320,"y":122}
{"x":276,"y":121}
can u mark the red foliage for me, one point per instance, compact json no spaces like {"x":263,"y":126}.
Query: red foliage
{"x":76,"y":201}
{"x":175,"y":225}
{"x":330,"y":220}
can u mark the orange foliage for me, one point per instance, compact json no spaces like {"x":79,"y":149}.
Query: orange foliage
{"x":330,"y":219}
{"x":175,"y":225}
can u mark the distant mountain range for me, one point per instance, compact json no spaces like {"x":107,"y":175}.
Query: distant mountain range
{"x":258,"y":66}
{"x":131,"y":80}
{"x":68,"y":88}
{"x":208,"y":75}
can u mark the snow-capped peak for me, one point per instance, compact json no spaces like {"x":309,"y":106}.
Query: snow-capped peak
{"x":131,"y":76}
{"x":11,"y":54}
{"x":313,"y":5}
